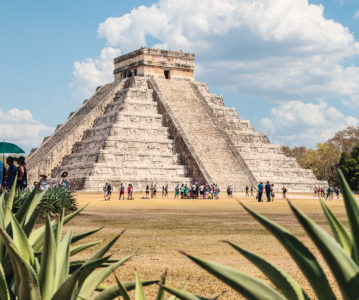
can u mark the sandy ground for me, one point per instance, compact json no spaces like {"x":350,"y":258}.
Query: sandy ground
{"x":157,"y":228}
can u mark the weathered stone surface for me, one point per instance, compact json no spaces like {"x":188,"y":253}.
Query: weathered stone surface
{"x":162,"y":127}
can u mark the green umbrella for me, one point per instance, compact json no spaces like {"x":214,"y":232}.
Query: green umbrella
{"x":10,"y":148}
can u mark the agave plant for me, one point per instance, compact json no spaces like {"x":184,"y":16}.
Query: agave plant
{"x":341,"y":254}
{"x":54,"y":201}
{"x":35,"y":263}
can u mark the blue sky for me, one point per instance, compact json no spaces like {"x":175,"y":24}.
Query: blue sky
{"x":292,"y":71}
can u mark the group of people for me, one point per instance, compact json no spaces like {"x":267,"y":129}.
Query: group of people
{"x":327,"y":192}
{"x":7,"y":175}
{"x":269,"y":191}
{"x":197,"y":191}
{"x":45,"y":183}
{"x":107,"y":192}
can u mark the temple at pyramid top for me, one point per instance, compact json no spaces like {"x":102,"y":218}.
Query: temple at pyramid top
{"x":155,"y":62}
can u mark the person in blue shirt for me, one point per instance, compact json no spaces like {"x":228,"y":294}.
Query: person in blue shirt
{"x":10,"y":173}
{"x":260,"y":191}
{"x":1,"y":173}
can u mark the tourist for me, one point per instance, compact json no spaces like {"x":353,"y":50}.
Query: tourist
{"x":247,"y":191}
{"x":10,"y":172}
{"x":1,"y":175}
{"x":109,"y":191}
{"x":42,"y":182}
{"x":21,"y":173}
{"x":177,"y":190}
{"x":252,"y":190}
{"x":64,"y":182}
{"x":129,"y":189}
{"x":284,"y":192}
{"x":122,"y":192}
{"x":201,"y":191}
{"x":166,"y":190}
{"x":337,"y":191}
{"x":182,"y":191}
{"x":229,"y":191}
{"x":272,"y":192}
{"x":147,"y":191}
{"x":267,"y":189}
{"x":260,"y":191}
{"x":154,"y":191}
{"x":105,"y":191}
{"x":185,"y":191}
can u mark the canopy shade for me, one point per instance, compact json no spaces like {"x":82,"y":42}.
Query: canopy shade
{"x":10,"y":148}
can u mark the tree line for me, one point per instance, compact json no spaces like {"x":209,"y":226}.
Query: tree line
{"x":342,"y":150}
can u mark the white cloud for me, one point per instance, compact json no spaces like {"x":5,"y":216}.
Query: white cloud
{"x":19,"y":127}
{"x":299,"y":123}
{"x":356,"y":15}
{"x":94,"y":71}
{"x":270,"y":48}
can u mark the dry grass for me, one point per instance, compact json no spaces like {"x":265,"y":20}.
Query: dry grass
{"x":157,"y":228}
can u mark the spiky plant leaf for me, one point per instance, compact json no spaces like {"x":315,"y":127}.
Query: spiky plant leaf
{"x":352,"y":210}
{"x":69,"y":289}
{"x":284,"y":282}
{"x":4,"y":291}
{"x":78,"y":248}
{"x":114,"y":291}
{"x":20,"y":240}
{"x":63,"y":259}
{"x":9,"y":203}
{"x":139,"y":294}
{"x":345,"y":270}
{"x":104,"y":249}
{"x":123,"y":290}
{"x":161,"y":291}
{"x":95,"y":278}
{"x":338,"y":229}
{"x":301,"y":255}
{"x":78,"y":237}
{"x":28,"y":207}
{"x":248,"y":286}
{"x":48,"y":263}
{"x":183,"y":295}
{"x":27,"y":286}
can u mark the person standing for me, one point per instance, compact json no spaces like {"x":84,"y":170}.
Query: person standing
{"x":272,"y":192}
{"x":122,"y":192}
{"x":247,"y":191}
{"x":129,"y":190}
{"x":64,"y":182}
{"x":109,"y":191}
{"x":177,"y":191}
{"x":284,"y":192}
{"x":21,"y":173}
{"x":10,"y":172}
{"x":105,"y":191}
{"x":260,"y":191}
{"x":147,"y":191}
{"x":252,"y":188}
{"x":268,"y":188}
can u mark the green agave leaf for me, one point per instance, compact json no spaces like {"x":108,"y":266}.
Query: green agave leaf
{"x":36,"y":237}
{"x":123,"y":290}
{"x":301,"y":255}
{"x":338,"y":229}
{"x":2,"y":225}
{"x":114,"y":291}
{"x":95,"y":278}
{"x":103,"y":250}
{"x":58,"y":228}
{"x":28,"y":227}
{"x":81,"y":236}
{"x":352,"y":210}
{"x":4,"y":292}
{"x":139,"y":294}
{"x":63,"y":259}
{"x":284,"y":282}
{"x":48,"y":263}
{"x":28,"y":207}
{"x":182,"y":289}
{"x":9,"y":203}
{"x":248,"y":286}
{"x":183,"y":295}
{"x":161,"y":290}
{"x":20,"y":241}
{"x":69,"y":289}
{"x":27,"y":286}
{"x":345,"y":270}
{"x":78,"y":248}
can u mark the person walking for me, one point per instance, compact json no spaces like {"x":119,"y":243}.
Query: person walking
{"x":272,"y":192}
{"x":267,"y":189}
{"x":260,"y":191}
{"x":252,"y":189}
{"x":109,"y":191}
{"x":177,"y":191}
{"x":247,"y":191}
{"x":105,"y":192}
{"x":147,"y":191}
{"x":284,"y":192}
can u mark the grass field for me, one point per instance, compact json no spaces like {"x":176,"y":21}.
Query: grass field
{"x":157,"y":228}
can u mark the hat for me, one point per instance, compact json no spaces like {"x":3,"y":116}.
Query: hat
{"x":21,"y":159}
{"x":64,"y":174}
{"x":43,"y":176}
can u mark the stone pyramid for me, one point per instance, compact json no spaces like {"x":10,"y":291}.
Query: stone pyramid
{"x":156,"y":125}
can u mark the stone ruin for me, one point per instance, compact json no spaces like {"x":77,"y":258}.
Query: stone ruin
{"x":156,"y":125}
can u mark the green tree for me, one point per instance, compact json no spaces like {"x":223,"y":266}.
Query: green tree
{"x":349,"y":163}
